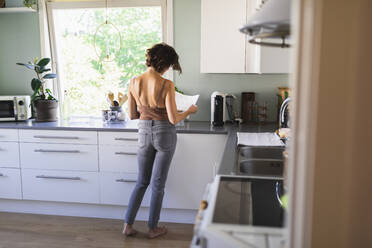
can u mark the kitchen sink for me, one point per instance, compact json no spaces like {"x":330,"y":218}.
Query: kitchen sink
{"x":260,"y":161}
{"x":262,"y":152}
{"x":261,"y":167}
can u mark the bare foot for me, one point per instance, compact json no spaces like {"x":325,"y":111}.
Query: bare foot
{"x":156,"y":232}
{"x":129,"y":230}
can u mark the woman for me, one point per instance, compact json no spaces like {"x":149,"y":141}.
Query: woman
{"x":151,"y":99}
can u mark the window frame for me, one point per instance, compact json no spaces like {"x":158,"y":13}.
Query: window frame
{"x":167,"y":28}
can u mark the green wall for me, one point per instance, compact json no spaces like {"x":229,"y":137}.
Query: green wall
{"x":19,"y":42}
{"x":187,"y":44}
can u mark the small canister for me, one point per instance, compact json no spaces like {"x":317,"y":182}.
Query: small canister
{"x":105,"y":115}
{"x":121,"y":116}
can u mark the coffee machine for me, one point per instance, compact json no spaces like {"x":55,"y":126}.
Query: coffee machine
{"x":222,"y":108}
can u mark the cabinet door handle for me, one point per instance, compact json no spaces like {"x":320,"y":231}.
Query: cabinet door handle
{"x":2,"y":175}
{"x":127,"y":139}
{"x":57,"y":177}
{"x":56,"y":137}
{"x":126,"y":180}
{"x":57,"y":151}
{"x":125,"y":153}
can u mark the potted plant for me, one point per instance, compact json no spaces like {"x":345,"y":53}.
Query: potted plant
{"x":42,"y":99}
{"x":30,"y":4}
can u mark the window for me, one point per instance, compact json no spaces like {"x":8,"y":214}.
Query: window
{"x":82,"y":43}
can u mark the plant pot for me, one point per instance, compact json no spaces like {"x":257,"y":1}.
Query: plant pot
{"x":46,"y":110}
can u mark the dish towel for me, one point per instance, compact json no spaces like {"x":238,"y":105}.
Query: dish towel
{"x":259,"y":139}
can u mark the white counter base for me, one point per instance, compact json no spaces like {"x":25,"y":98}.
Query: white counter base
{"x":92,"y":210}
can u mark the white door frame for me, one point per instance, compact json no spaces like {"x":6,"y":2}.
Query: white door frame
{"x":306,"y":19}
{"x":330,"y":163}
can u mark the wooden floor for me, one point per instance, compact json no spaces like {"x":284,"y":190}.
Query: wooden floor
{"x":45,"y":231}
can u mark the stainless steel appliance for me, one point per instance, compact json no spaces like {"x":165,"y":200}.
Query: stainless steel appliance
{"x":222,"y":108}
{"x":15,"y":108}
{"x":284,"y":120}
{"x":234,"y":206}
{"x":218,"y":108}
{"x":249,"y":201}
{"x":272,"y":20}
{"x":230,"y":106}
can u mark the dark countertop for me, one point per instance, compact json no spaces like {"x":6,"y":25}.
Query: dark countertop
{"x":197,"y":127}
{"x":227,"y":165}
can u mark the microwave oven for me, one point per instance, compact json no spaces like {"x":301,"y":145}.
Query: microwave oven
{"x":15,"y":108}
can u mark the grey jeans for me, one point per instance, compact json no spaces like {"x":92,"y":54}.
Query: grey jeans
{"x":156,"y":145}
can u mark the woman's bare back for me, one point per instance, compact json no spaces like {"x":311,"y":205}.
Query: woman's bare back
{"x":151,"y":97}
{"x":150,"y":89}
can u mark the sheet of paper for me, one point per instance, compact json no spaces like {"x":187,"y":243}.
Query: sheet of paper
{"x":183,"y":102}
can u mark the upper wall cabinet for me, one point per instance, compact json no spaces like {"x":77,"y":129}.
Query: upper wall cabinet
{"x":225,"y":50}
{"x":222,"y":45}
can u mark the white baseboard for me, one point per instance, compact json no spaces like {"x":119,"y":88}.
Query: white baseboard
{"x":92,"y":211}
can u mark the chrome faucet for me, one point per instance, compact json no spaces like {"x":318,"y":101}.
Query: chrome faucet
{"x":282,"y":121}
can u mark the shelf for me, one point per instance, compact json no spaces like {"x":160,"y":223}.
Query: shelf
{"x":17,"y":10}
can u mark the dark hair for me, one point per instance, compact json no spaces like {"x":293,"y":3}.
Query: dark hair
{"x":162,"y":56}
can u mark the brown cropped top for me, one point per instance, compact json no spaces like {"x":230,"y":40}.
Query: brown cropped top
{"x":151,"y":113}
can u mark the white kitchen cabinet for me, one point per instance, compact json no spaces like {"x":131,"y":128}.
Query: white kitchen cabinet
{"x":226,"y":50}
{"x":9,"y":154}
{"x":222,"y":45}
{"x":251,"y":239}
{"x":277,"y":241}
{"x":61,"y":186}
{"x":10,"y":183}
{"x":193,"y":166}
{"x":101,"y":168}
{"x":118,"y":158}
{"x":9,"y":135}
{"x":118,"y":138}
{"x":273,"y":59}
{"x":116,"y":189}
{"x":59,"y":156}
{"x":58,"y":136}
{"x":118,"y":151}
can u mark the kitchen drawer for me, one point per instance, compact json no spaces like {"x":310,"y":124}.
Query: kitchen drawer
{"x":118,"y":159}
{"x":59,"y":156}
{"x":59,"y":137}
{"x":61,"y":186}
{"x":9,"y":154}
{"x":118,"y":138}
{"x":10,"y":184}
{"x":9,"y":135}
{"x":116,"y":189}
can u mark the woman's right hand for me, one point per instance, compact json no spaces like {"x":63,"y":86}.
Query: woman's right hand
{"x":193,"y":109}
